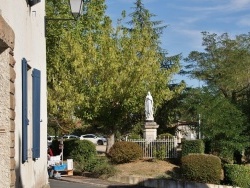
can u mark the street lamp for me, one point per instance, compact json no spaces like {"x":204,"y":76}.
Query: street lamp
{"x":76,"y":7}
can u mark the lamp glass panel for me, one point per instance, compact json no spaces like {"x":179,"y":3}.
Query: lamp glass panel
{"x":76,"y":7}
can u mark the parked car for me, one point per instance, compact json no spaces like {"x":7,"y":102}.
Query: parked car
{"x":70,"y":136}
{"x":50,"y":139}
{"x":94,"y":138}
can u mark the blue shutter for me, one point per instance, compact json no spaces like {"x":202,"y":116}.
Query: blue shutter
{"x":25,"y":120}
{"x":36,"y":99}
{"x":33,"y":2}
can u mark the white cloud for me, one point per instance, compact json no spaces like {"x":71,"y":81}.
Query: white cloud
{"x":240,"y":4}
{"x":220,"y":6}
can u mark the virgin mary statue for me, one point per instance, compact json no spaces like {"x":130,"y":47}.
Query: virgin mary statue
{"x":149,"y":107}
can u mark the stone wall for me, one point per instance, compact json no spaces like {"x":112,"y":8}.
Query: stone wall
{"x":162,"y":183}
{"x":7,"y":106}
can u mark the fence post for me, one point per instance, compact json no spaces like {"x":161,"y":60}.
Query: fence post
{"x":175,"y":146}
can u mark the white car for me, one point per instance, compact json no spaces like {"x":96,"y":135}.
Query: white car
{"x":94,"y":138}
{"x":70,"y":137}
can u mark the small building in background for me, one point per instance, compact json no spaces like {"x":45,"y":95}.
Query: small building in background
{"x":186,"y":130}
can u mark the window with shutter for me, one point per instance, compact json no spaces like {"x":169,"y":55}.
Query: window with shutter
{"x":25,"y":120}
{"x":36,"y":99}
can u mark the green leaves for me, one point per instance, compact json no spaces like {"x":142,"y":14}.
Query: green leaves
{"x":224,"y":64}
{"x":102,"y":74}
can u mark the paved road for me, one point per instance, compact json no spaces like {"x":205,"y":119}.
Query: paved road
{"x":93,"y":183}
{"x":65,"y":184}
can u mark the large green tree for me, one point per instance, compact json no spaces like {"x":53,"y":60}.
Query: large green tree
{"x":129,"y":65}
{"x":225,"y":63}
{"x":102,"y":74}
{"x":141,"y":19}
{"x":224,"y":67}
{"x":62,"y":54}
{"x":223,"y":125}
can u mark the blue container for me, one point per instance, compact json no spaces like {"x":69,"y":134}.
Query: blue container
{"x":60,"y":167}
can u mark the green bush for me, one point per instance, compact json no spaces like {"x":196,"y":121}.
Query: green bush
{"x":102,"y":168}
{"x":96,"y":166}
{"x":160,"y":149}
{"x":192,"y":146}
{"x":237,"y":175}
{"x":91,"y":163}
{"x":68,"y":147}
{"x":201,"y":168}
{"x":123,"y":152}
{"x":165,"y":136}
{"x":83,"y":153}
{"x":83,"y":150}
{"x":134,"y":136}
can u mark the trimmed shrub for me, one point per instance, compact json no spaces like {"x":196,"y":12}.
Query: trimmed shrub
{"x":123,"y":152}
{"x":201,"y":168}
{"x":237,"y":175}
{"x":83,"y":150}
{"x":192,"y":146}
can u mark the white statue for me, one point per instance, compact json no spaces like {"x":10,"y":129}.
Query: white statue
{"x":149,"y":107}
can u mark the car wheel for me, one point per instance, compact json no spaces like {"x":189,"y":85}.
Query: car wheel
{"x":100,"y":142}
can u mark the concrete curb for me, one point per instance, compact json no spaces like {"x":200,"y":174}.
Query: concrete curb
{"x":141,"y":181}
{"x":163,"y":183}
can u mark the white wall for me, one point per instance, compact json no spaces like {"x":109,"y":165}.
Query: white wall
{"x":28,"y":25}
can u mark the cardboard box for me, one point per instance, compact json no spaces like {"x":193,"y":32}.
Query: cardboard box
{"x":69,"y":164}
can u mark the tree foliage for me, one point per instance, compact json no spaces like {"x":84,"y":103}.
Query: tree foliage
{"x":62,"y":54}
{"x":128,"y":67}
{"x":101,"y":74}
{"x":223,"y":124}
{"x":225,"y":63}
{"x":224,"y":67}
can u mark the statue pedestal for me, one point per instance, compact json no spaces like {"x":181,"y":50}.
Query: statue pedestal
{"x":150,"y":130}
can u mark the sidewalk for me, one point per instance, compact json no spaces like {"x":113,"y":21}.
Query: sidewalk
{"x":98,"y":182}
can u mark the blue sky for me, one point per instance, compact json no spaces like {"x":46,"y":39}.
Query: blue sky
{"x":186,"y":19}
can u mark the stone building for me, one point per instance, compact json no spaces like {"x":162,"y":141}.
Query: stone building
{"x":186,"y":130}
{"x":23,"y":100}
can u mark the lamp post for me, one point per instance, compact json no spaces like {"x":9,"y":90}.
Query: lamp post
{"x":76,"y":7}
{"x":199,"y":122}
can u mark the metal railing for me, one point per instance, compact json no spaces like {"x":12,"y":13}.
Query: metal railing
{"x":160,"y":148}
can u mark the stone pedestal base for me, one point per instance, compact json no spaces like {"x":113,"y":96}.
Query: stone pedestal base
{"x":150,"y":130}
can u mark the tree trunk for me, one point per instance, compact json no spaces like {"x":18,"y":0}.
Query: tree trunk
{"x":110,"y":142}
